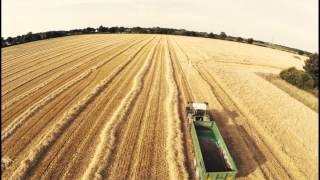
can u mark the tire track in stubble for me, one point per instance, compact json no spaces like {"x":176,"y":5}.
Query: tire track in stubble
{"x":132,"y":131}
{"x":184,"y":95}
{"x":174,"y":149}
{"x":94,"y":125}
{"x":40,"y":127}
{"x":147,"y":160}
{"x":103,"y":150}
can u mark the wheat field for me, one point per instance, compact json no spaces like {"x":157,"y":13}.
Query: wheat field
{"x":113,"y":107}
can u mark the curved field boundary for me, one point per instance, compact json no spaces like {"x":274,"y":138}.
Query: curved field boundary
{"x":18,"y":98}
{"x":104,"y":147}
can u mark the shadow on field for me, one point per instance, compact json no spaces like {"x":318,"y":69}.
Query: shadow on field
{"x":233,"y":134}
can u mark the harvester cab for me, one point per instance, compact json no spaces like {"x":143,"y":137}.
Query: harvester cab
{"x":197,"y":111}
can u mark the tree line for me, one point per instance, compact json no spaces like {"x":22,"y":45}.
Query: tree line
{"x":29,"y":37}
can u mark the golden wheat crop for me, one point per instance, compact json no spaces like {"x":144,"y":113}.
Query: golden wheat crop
{"x":112,"y":107}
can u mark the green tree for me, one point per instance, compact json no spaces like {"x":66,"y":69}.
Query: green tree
{"x":312,"y":67}
{"x":250,"y":40}
{"x":101,"y":29}
{"x":3,"y":43}
{"x":211,"y":35}
{"x":10,"y":40}
{"x":300,"y":52}
{"x":239,"y":39}
{"x":223,"y":35}
{"x":298,"y":78}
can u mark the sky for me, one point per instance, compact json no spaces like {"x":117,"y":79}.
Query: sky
{"x":292,"y":23}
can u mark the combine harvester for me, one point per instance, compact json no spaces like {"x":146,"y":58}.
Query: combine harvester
{"x":212,"y":158}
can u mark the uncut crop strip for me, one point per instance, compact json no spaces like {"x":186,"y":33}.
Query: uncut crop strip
{"x":94,"y":116}
{"x":21,"y":96}
{"x":61,"y":55}
{"x":37,"y":106}
{"x":53,"y":54}
{"x":103,"y":149}
{"x":47,"y":140}
{"x":32,"y":79}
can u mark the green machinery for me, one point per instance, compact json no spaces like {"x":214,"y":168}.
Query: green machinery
{"x":212,"y":158}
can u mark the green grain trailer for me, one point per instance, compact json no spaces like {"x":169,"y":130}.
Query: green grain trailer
{"x":212,"y":158}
